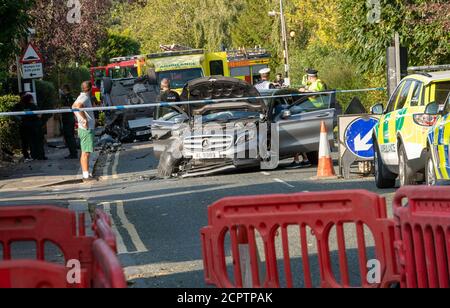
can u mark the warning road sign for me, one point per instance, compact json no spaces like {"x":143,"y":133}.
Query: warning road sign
{"x":32,"y":71}
{"x":31,"y":55}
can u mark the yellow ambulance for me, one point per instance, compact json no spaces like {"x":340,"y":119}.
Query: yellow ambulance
{"x":400,"y":137}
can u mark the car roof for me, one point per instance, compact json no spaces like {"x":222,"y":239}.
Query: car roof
{"x":430,"y":77}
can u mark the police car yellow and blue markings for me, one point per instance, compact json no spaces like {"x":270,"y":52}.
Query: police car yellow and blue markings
{"x":439,"y":141}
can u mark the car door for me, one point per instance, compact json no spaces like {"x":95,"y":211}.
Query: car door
{"x":391,"y":122}
{"x":300,"y":131}
{"x":442,"y":143}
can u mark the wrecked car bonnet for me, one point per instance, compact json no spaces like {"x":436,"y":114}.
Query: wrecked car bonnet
{"x":208,"y":88}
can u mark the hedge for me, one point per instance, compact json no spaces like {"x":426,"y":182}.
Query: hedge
{"x":9,"y":126}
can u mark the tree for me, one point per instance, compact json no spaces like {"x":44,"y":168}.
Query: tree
{"x":14,"y":22}
{"x":254,"y":27}
{"x":422,"y":25}
{"x":116,"y":45}
{"x":63,"y":40}
{"x":195,"y":23}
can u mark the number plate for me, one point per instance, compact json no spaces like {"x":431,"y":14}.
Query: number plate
{"x":207,"y":155}
{"x":144,"y":132}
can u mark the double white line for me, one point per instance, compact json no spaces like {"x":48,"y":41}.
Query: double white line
{"x":114,"y":176}
{"x":127,"y":225}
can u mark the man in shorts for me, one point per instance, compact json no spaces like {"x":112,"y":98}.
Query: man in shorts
{"x":86,"y":127}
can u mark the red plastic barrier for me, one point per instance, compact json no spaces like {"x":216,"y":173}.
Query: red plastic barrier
{"x":102,"y":229}
{"x":243,"y":216}
{"x":45,"y":224}
{"x":108,"y":272}
{"x":423,"y":236}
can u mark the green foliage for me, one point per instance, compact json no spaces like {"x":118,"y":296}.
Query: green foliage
{"x":47,"y":97}
{"x":14,"y":22}
{"x":73,"y":76}
{"x":9,"y":126}
{"x":423,"y":32}
{"x":116,"y":45}
{"x":254,"y":27}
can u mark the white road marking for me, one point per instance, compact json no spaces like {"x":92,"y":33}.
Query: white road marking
{"x":265,"y":173}
{"x":116,"y":164}
{"x":122,"y":249}
{"x":284,"y":183}
{"x":140,"y":247}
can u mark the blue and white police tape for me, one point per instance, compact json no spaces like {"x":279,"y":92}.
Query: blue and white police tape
{"x":152,"y":105}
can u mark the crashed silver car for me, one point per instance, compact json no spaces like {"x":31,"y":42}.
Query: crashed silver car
{"x":135,"y":124}
{"x":246,"y":129}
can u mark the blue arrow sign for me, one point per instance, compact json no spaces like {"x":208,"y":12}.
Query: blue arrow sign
{"x":358,"y":137}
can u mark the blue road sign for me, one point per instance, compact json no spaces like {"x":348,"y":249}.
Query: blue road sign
{"x":358,"y":137}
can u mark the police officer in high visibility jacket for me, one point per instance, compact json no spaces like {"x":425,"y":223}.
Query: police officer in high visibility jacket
{"x":265,"y":83}
{"x":313,"y":83}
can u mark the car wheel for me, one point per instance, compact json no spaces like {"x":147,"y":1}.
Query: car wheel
{"x":169,"y":160}
{"x":313,"y":158}
{"x":383,"y":177}
{"x":406,"y":175}
{"x":431,"y":178}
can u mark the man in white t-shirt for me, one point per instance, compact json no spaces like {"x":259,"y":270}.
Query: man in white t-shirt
{"x":86,"y":127}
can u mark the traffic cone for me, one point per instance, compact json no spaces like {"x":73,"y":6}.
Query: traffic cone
{"x":326,"y":167}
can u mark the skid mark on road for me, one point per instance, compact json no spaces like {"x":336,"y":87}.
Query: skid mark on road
{"x":127,"y":225}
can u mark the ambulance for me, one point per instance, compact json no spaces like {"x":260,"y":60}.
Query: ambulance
{"x":182,"y":66}
{"x":401,"y":136}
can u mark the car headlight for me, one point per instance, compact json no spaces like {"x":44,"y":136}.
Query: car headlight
{"x":246,"y":137}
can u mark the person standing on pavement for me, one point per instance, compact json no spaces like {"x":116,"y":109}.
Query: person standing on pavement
{"x":31,"y":131}
{"x":68,"y":123}
{"x":86,"y":127}
{"x":24,"y":134}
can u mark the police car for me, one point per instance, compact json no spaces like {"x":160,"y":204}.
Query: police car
{"x":438,"y":162}
{"x":400,"y":137}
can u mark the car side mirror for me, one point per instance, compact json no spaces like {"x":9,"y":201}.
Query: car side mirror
{"x":378,"y":109}
{"x":432,"y":109}
{"x":286,"y":114}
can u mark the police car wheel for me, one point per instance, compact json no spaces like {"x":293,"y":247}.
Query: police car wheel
{"x":406,"y":175}
{"x":430,"y":173}
{"x":383,"y":177}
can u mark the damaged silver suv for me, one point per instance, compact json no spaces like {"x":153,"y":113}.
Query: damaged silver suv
{"x":240,"y":128}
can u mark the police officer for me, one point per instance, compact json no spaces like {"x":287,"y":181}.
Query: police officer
{"x":313,"y":83}
{"x":265,"y":83}
{"x":167,"y":95}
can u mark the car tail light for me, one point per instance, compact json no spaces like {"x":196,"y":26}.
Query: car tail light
{"x":425,"y":119}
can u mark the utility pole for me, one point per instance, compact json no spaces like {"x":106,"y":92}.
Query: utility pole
{"x":284,"y":40}
{"x":285,"y":44}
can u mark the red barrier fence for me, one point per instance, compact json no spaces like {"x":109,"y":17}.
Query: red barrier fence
{"x":423,"y":236}
{"x":45,"y":225}
{"x":102,"y":228}
{"x":244,"y":217}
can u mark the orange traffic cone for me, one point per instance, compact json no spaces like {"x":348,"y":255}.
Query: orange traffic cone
{"x":326,"y":166}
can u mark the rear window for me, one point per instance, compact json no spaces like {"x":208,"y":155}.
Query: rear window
{"x":442,"y":92}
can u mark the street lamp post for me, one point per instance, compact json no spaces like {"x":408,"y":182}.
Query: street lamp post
{"x":284,"y":41}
